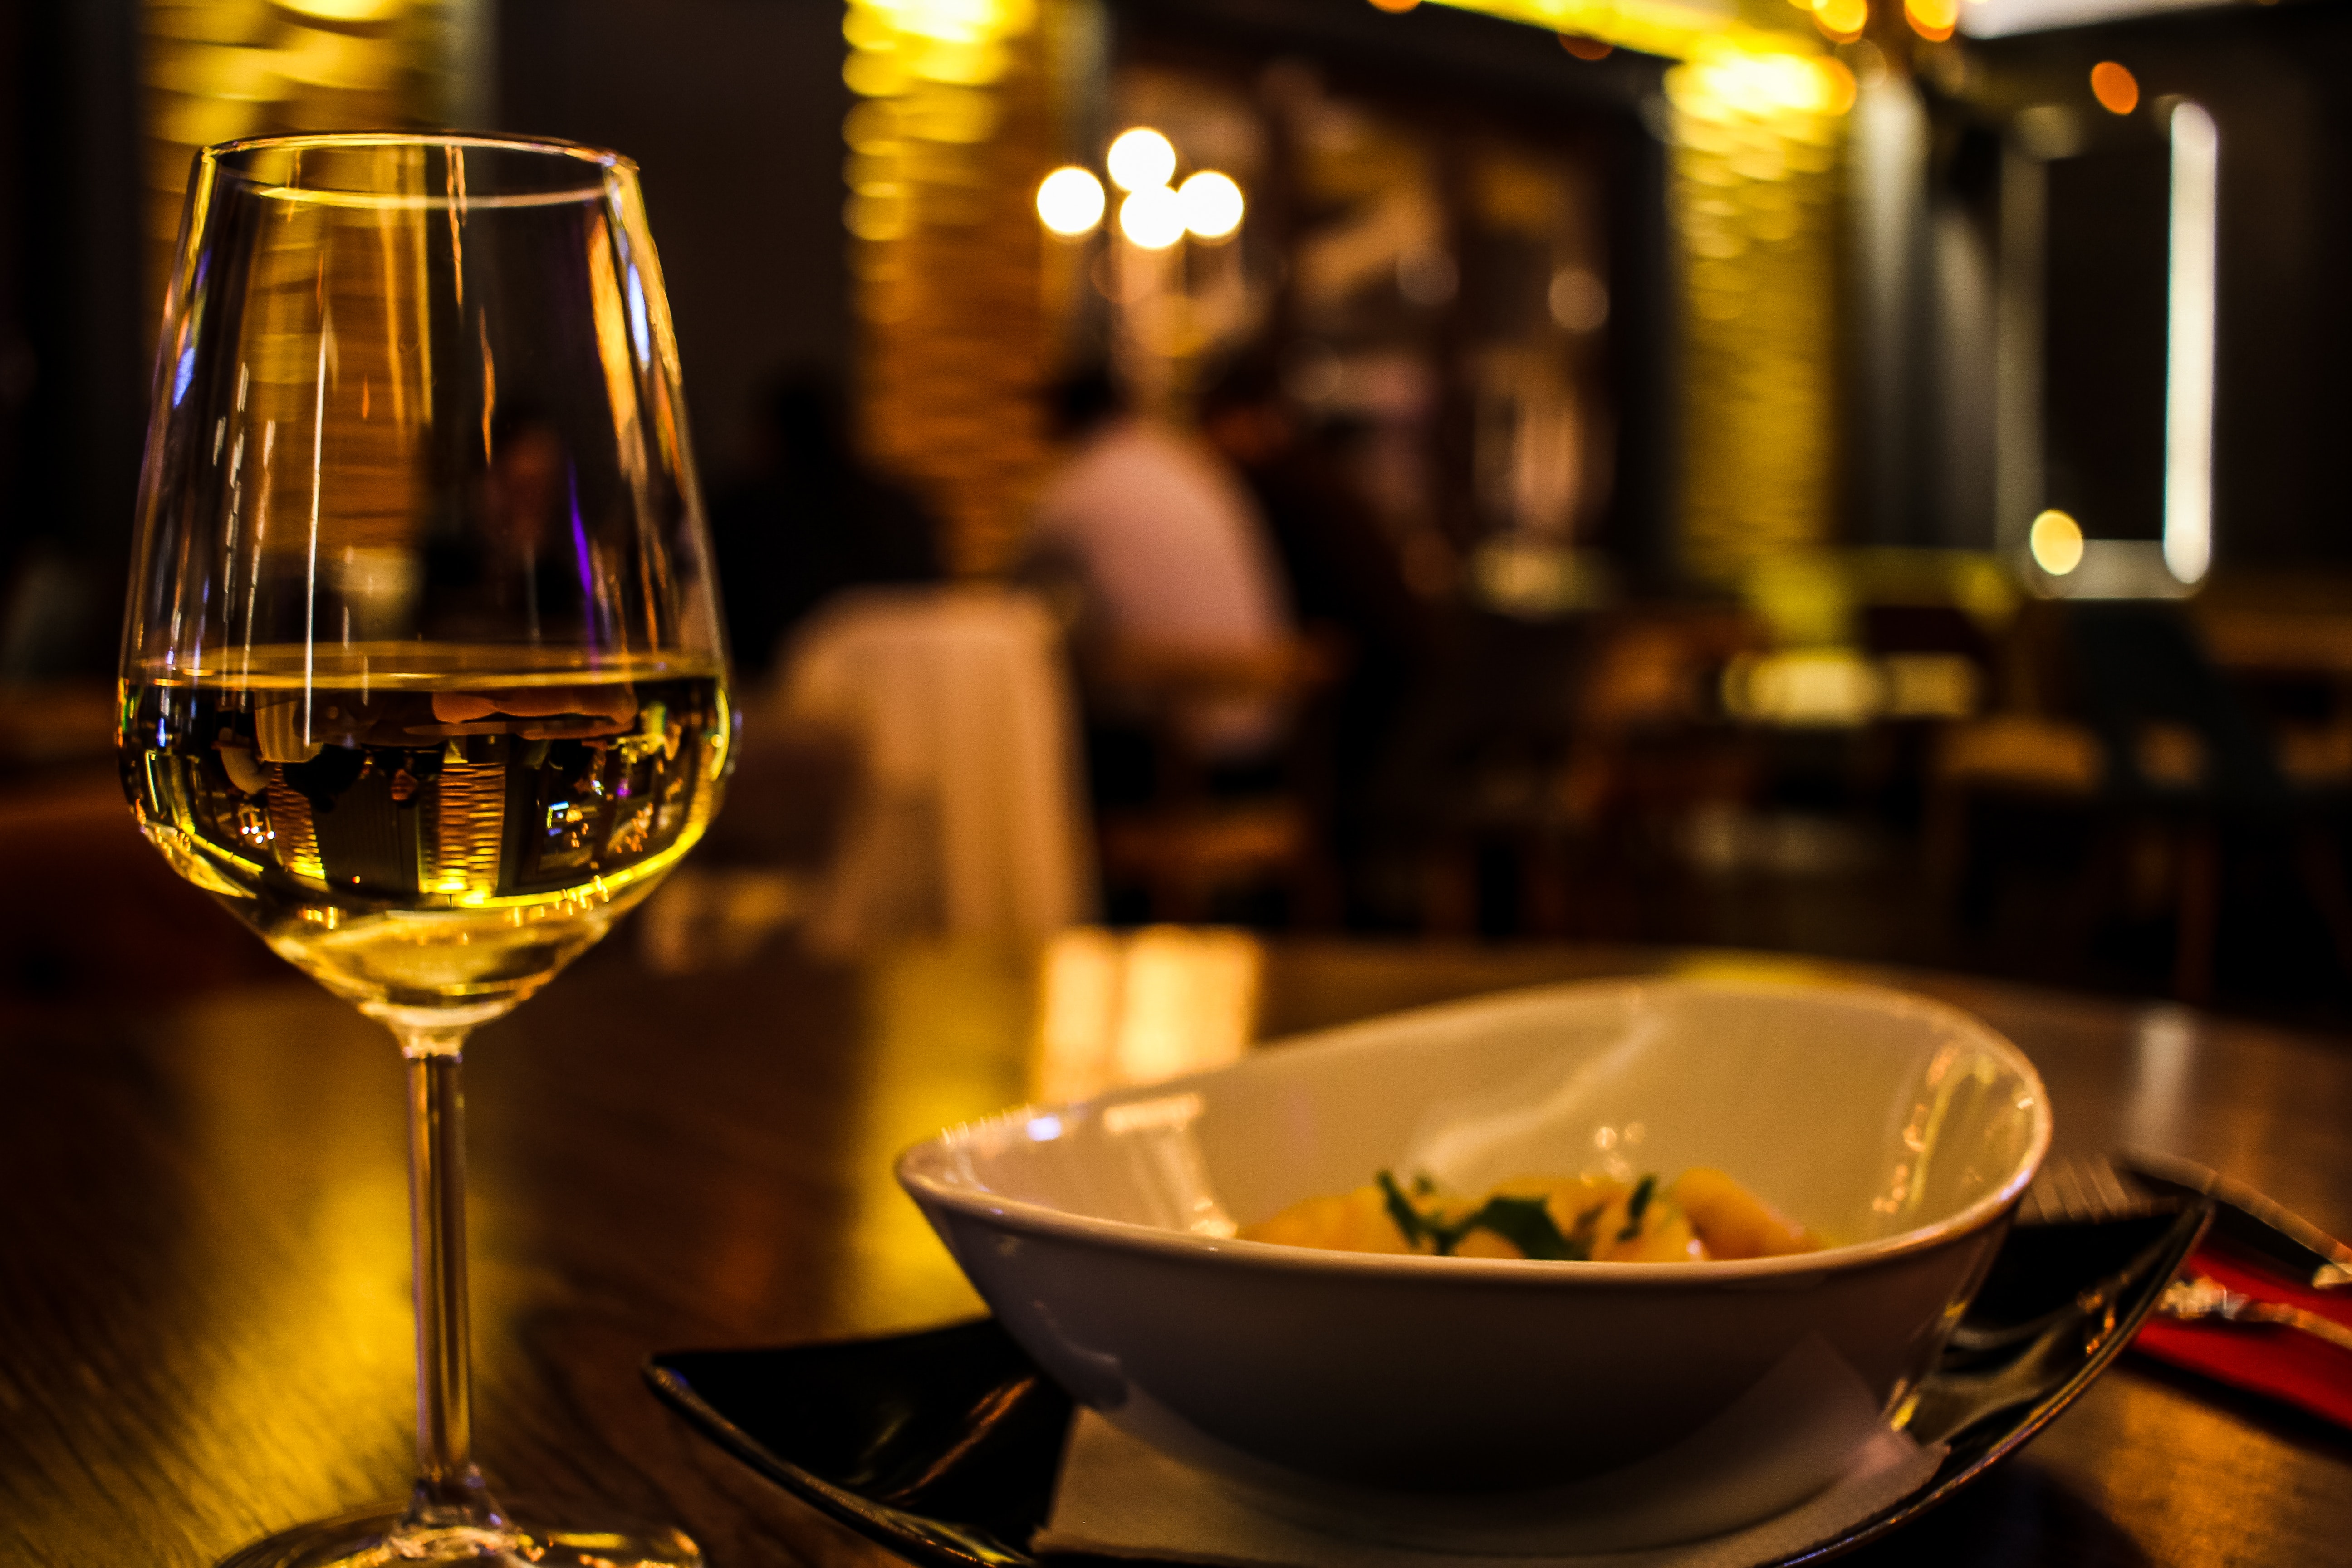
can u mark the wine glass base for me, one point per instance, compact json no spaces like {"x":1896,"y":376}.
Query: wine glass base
{"x":374,"y":1537}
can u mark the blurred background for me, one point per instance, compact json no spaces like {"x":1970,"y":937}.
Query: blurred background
{"x":1850,"y":478}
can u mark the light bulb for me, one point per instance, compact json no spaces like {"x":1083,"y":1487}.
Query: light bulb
{"x":2056,"y":540}
{"x":1153,"y":218}
{"x":1070,"y":201}
{"x":1212,"y":204}
{"x":1141,"y":159}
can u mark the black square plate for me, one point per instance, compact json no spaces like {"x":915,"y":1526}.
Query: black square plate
{"x":943,"y":1445}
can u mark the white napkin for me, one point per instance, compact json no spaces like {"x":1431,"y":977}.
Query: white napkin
{"x":1119,"y":1498}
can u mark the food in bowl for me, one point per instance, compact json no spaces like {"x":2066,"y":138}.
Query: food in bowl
{"x":1703,"y":1215}
{"x":1108,"y":1238}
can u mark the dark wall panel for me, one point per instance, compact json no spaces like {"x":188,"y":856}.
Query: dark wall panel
{"x":732,"y":108}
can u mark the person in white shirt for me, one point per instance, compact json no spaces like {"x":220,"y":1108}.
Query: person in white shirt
{"x":1163,"y":535}
{"x":1159,"y":543}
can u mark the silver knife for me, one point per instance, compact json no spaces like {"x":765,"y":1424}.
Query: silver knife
{"x":2245,"y":1217}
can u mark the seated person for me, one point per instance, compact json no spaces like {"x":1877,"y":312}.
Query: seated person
{"x":1161,"y":548}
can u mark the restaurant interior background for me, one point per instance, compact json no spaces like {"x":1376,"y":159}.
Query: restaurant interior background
{"x":1860,"y":481}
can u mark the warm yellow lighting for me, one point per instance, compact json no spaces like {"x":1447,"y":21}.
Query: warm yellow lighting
{"x":1835,"y":86}
{"x":1805,"y":688}
{"x":2056,"y":540}
{"x":2117,"y":89}
{"x":1212,"y":204}
{"x":2188,"y":354}
{"x":1930,"y":685}
{"x":1395,"y":7}
{"x":1153,"y":218}
{"x":1119,"y":1010}
{"x":1141,"y":159}
{"x":1842,"y":20}
{"x":1932,"y":19}
{"x":1755,"y":138}
{"x":1724,"y":82}
{"x":1070,"y":201}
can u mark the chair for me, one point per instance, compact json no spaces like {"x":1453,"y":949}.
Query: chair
{"x":1566,"y":755}
{"x":965,"y":819}
{"x":1190,"y":839}
{"x":2158,"y":751}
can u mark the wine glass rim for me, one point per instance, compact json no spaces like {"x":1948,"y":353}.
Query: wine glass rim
{"x":226,"y":159}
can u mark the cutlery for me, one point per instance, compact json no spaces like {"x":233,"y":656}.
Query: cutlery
{"x":2197,"y":1296}
{"x":2246,"y":1218}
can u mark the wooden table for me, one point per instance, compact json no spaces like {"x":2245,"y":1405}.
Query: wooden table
{"x":204,"y":1317}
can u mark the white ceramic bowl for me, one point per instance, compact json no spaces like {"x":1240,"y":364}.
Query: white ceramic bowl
{"x":1901,"y":1129}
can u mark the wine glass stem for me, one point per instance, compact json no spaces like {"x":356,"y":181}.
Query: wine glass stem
{"x":448,"y":1487}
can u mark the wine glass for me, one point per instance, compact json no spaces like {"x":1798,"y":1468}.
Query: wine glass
{"x":421,"y":670}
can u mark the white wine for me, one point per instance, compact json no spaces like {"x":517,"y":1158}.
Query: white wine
{"x":432,"y":832}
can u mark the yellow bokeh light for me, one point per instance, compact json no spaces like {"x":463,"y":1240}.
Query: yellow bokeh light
{"x":1842,"y":20}
{"x":1212,"y":204}
{"x":2056,"y":540}
{"x":1772,"y":86}
{"x":1070,"y":201}
{"x":1141,"y":159}
{"x":1153,"y":218}
{"x":1932,"y":19}
{"x":955,"y":21}
{"x":1835,"y":86}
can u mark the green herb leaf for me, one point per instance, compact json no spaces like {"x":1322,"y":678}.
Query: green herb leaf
{"x":1526,"y":1224}
{"x":1406,"y":1219}
{"x":1635,"y":1206}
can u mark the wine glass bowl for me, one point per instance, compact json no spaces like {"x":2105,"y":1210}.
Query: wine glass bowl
{"x":422,"y":672}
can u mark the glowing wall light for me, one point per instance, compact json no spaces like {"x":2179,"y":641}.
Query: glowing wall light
{"x":1141,"y":159}
{"x":2188,"y":369}
{"x":1842,"y":20}
{"x":1153,"y":218}
{"x":2115,"y":87}
{"x":216,"y":69}
{"x":952,"y":132}
{"x":2056,"y":541}
{"x":1212,"y":204}
{"x":1932,"y":19}
{"x":1070,"y":201}
{"x":1753,"y":201}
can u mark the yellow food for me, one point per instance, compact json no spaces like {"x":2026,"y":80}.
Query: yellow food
{"x":1735,"y":1222}
{"x":1703,"y":1215}
{"x":1350,"y":1222}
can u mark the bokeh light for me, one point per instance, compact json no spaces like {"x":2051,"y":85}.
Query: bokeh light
{"x":1932,"y":19}
{"x":1153,"y":218}
{"x":1834,"y":86}
{"x":1842,"y":20}
{"x":1212,"y":204}
{"x":2116,"y":88}
{"x":1756,"y":142}
{"x":1579,"y":300}
{"x":1141,"y":159}
{"x":1070,"y":201}
{"x":2056,"y":540}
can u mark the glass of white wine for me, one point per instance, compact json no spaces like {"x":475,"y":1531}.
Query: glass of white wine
{"x":421,"y":670}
